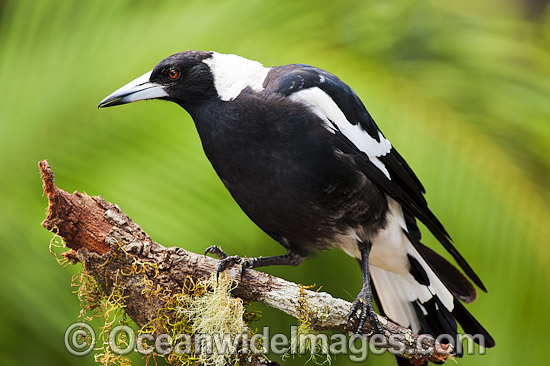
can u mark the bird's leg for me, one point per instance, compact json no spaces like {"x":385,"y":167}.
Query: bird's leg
{"x":226,"y":261}
{"x":363,"y":301}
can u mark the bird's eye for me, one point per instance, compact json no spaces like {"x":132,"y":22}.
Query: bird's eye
{"x":173,"y":74}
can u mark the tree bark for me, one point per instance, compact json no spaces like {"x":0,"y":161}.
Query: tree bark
{"x":105,"y":240}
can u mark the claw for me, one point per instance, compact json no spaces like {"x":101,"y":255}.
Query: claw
{"x":366,"y":310}
{"x":244,"y":265}
{"x":226,"y":263}
{"x":214,"y":249}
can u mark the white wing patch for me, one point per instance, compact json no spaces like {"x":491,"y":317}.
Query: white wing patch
{"x":234,"y":73}
{"x":324,"y":106}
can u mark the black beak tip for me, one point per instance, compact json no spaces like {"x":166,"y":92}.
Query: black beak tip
{"x":110,"y":102}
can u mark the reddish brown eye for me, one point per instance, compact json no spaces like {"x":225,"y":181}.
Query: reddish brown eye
{"x":173,"y":74}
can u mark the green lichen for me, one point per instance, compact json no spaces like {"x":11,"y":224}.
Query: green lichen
{"x":306,"y":340}
{"x":201,"y":307}
{"x":109,"y":308}
{"x":56,"y":244}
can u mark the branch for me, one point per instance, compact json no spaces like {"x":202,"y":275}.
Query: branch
{"x":105,"y":240}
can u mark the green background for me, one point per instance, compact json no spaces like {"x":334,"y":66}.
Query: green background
{"x":462,"y":89}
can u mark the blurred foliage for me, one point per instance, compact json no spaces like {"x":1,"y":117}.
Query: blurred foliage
{"x":461,"y":88}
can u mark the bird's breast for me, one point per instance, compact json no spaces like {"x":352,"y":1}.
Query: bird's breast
{"x":284,"y":171}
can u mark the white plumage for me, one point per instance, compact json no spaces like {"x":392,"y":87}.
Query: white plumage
{"x":234,"y":73}
{"x":389,"y":269}
{"x":324,"y":106}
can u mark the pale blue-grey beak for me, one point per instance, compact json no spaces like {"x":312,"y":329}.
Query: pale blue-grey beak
{"x":139,"y":89}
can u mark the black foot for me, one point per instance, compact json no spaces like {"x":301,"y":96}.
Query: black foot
{"x":363,"y":302}
{"x":227,"y":261}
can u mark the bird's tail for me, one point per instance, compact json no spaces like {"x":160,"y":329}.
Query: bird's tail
{"x":426,"y":297}
{"x":417,"y":299}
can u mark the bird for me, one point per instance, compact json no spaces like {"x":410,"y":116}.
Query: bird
{"x":303,"y":158}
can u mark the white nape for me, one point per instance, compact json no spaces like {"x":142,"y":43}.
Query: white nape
{"x":234,"y":73}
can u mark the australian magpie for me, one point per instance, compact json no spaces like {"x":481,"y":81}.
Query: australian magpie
{"x":303,"y":158}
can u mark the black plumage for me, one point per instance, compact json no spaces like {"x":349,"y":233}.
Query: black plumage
{"x":303,"y":158}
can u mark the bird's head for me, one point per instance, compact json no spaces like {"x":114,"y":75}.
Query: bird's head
{"x":182,"y":78}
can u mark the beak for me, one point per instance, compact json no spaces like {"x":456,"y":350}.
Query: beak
{"x":139,"y":89}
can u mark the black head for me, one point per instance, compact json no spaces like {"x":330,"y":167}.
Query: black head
{"x":182,"y":78}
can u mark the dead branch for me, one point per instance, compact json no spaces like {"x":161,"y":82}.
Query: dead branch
{"x":105,"y":240}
